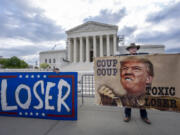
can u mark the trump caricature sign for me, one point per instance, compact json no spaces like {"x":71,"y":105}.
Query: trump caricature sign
{"x":46,"y":95}
{"x":140,"y":81}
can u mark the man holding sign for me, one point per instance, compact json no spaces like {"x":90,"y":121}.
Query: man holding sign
{"x":136,"y":74}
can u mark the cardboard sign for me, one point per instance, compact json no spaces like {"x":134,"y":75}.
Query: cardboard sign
{"x":140,"y":81}
{"x":46,"y":95}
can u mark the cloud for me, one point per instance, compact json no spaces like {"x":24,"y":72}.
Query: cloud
{"x":173,"y":50}
{"x":172,"y":12}
{"x":21,"y":21}
{"x":159,"y":37}
{"x":19,"y":51}
{"x":106,"y":16}
{"x":163,"y":28}
{"x":127,"y":31}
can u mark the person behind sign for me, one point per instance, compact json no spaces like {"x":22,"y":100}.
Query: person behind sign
{"x":136,"y":74}
{"x":56,"y":70}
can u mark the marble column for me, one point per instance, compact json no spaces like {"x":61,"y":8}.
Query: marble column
{"x":87,"y":49}
{"x":114,"y":44}
{"x":101,"y":45}
{"x":94,"y":46}
{"x":69,"y":49}
{"x":108,"y":45}
{"x":75,"y":51}
{"x":81,"y":49}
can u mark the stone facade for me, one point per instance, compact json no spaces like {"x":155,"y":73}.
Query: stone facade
{"x":91,"y":39}
{"x":87,"y":41}
{"x":54,"y":58}
{"x":151,"y":49}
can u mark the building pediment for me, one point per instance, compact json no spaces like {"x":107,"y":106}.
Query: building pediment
{"x":92,"y":26}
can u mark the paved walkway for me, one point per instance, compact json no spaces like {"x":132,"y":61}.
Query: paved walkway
{"x":95,"y":120}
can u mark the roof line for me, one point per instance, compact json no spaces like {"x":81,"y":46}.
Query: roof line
{"x":90,"y":22}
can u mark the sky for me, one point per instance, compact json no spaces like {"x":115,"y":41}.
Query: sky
{"x":28,"y":27}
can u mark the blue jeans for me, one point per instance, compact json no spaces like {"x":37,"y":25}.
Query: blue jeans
{"x":143,"y":112}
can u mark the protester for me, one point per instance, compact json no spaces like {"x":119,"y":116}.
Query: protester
{"x":136,"y":73}
{"x":135,"y":76}
{"x":56,"y":70}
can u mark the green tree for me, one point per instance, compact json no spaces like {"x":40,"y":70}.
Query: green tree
{"x":13,"y":62}
{"x":3,"y":61}
{"x":44,"y":65}
{"x":23,"y":64}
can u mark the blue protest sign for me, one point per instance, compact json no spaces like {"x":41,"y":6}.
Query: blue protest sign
{"x":46,"y":95}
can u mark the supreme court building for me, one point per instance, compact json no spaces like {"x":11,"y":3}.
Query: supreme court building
{"x":91,"y":39}
{"x":87,"y":41}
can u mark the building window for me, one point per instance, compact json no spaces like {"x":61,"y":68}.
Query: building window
{"x":45,"y":60}
{"x":54,"y":60}
{"x":49,"y":60}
